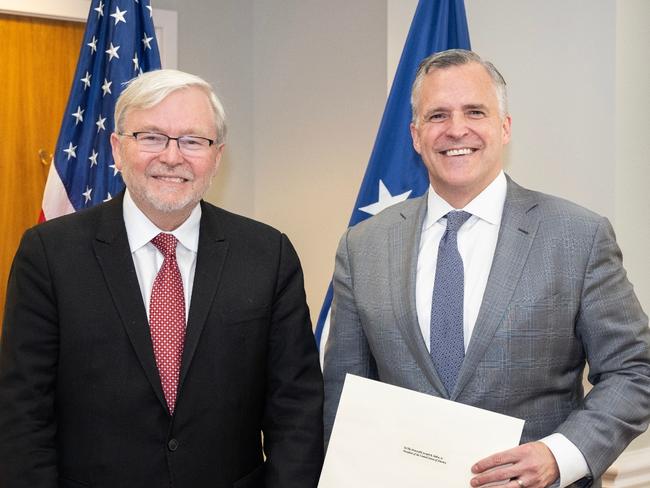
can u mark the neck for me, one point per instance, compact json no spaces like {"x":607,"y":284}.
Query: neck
{"x":167,"y":221}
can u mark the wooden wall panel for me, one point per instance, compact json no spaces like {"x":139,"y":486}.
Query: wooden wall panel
{"x":39,"y":57}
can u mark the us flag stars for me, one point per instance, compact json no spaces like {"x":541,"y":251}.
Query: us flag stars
{"x":119,"y":43}
{"x":86,"y":80}
{"x":71,"y":151}
{"x":119,"y":16}
{"x":93,"y":45}
{"x":100,"y":123}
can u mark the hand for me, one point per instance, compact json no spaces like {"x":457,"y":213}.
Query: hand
{"x":530,"y":465}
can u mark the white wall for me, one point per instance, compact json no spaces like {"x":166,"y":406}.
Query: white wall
{"x":319,"y":91}
{"x":632,"y":172}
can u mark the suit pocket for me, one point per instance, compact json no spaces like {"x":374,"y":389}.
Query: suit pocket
{"x":68,"y":483}
{"x":254,"y":479}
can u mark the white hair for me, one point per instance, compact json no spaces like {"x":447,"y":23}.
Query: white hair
{"x":151,"y":88}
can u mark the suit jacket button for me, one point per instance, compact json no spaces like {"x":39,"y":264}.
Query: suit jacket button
{"x":172,"y":445}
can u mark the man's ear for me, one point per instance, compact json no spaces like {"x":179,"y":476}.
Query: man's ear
{"x":506,"y":129}
{"x":415,"y":135}
{"x":116,"y":148}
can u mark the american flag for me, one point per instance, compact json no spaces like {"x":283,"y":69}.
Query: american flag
{"x":119,"y":44}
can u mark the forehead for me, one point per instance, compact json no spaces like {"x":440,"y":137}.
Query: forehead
{"x":464,"y":84}
{"x":187,"y":108}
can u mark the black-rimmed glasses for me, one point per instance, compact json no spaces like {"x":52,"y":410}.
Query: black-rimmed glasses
{"x":154,"y":142}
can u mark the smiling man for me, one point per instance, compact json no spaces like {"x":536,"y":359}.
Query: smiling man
{"x":152,"y":340}
{"x":492,"y":295}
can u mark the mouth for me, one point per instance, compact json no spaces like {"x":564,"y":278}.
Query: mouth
{"x":170,"y":179}
{"x":461,"y":151}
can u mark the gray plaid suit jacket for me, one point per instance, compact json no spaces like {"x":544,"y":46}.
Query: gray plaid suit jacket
{"x":557,"y":298}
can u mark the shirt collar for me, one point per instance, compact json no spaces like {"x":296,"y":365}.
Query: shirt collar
{"x":140,"y":230}
{"x":487,"y":205}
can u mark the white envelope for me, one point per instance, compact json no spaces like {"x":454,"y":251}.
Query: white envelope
{"x":385,"y":436}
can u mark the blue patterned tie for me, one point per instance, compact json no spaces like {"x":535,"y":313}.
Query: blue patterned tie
{"x":447,"y":345}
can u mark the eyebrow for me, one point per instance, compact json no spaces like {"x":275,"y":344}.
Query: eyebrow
{"x":476,"y":106}
{"x":156,"y":129}
{"x":470,"y":106}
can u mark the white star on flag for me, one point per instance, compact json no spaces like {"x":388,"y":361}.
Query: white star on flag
{"x":93,"y":44}
{"x":150,"y":10}
{"x":99,"y":9}
{"x":87,"y":193}
{"x":79,"y":115}
{"x":136,"y":63}
{"x":118,"y":16}
{"x":71,"y":151}
{"x":100,"y":122}
{"x":86,"y":80}
{"x":109,"y":197}
{"x":115,"y":170}
{"x":147,"y":41}
{"x":106,"y":87}
{"x":112,"y":52}
{"x":385,"y":200}
{"x":93,"y":158}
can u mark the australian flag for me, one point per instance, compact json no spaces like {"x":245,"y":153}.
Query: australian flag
{"x":395,"y":171}
{"x":119,"y":44}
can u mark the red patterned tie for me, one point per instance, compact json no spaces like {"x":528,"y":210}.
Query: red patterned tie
{"x":167,"y":318}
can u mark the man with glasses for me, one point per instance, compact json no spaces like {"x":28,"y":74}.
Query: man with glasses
{"x":157,"y":340}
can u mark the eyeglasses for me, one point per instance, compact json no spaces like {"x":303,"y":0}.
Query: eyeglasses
{"x":152,"y":142}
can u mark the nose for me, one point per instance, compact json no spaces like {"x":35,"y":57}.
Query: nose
{"x":457,"y":127}
{"x":172,"y":155}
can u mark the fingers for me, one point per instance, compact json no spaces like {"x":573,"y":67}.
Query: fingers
{"x":530,"y":465}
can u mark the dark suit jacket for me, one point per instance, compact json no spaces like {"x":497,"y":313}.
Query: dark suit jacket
{"x":80,"y":397}
{"x":557,"y":297}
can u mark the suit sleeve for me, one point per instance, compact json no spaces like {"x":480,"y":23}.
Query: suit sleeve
{"x":347,"y":349}
{"x":28,"y":364}
{"x":293,"y":428}
{"x":614,"y":332}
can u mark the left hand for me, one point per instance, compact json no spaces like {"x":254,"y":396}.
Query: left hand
{"x":533,"y":464}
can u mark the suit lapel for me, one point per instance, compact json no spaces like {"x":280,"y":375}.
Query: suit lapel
{"x":114,"y":257}
{"x":403,"y":249}
{"x":518,"y":228}
{"x":211,"y":256}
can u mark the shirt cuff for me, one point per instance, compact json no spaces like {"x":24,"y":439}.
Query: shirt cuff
{"x":570,"y":461}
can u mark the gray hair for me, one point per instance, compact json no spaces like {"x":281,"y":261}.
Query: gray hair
{"x":457,"y":57}
{"x":151,"y":88}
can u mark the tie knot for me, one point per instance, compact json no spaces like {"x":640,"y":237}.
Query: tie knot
{"x":456,"y":219}
{"x":166,"y":244}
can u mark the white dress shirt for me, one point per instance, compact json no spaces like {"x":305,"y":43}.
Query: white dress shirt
{"x":477,"y":240}
{"x":148,"y":259}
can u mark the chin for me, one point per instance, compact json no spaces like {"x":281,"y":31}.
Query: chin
{"x":172,"y":205}
{"x":170,"y":201}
